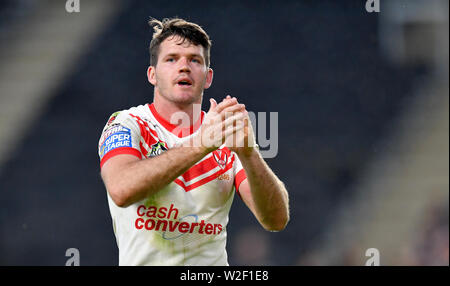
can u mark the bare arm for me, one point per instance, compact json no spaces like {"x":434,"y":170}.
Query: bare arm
{"x":264,"y":194}
{"x":262,"y":191}
{"x":128,"y":179}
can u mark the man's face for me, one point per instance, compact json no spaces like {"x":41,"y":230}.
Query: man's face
{"x":180,"y":76}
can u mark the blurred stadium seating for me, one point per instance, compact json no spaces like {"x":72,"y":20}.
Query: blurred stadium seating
{"x":363,"y":123}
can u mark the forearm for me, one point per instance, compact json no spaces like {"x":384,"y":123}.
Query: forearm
{"x":137,"y":180}
{"x":269,"y":196}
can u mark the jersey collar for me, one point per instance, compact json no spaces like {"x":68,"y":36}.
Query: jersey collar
{"x":179,"y":132}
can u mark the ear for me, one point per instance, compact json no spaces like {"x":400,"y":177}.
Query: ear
{"x":151,"y":75}
{"x":209,"y":78}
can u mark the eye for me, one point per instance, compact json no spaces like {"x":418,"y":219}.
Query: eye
{"x":196,"y":61}
{"x":170,"y":60}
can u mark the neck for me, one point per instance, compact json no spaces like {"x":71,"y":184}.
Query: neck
{"x":169,"y":110}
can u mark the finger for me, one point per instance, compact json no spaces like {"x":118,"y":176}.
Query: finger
{"x":233,"y":99}
{"x":212,"y":104}
{"x":234,"y":119}
{"x":233,"y":129}
{"x":225,"y":103}
{"x":229,"y":111}
{"x":237,"y":137}
{"x":228,"y":97}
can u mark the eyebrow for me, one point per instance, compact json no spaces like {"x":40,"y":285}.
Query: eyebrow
{"x":177,"y":55}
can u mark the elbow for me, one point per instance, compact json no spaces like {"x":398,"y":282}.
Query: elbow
{"x":278,"y":225}
{"x":121,"y":203}
{"x":119,"y":197}
{"x":125,"y":195}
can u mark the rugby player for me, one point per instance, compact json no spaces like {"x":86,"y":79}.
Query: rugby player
{"x":171,"y":169}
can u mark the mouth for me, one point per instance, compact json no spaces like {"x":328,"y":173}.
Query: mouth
{"x":184,"y":82}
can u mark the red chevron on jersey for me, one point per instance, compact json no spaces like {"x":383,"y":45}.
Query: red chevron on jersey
{"x":199,"y":169}
{"x":187,"y":186}
{"x":143,"y":149}
{"x":147,"y":133}
{"x":208,"y":164}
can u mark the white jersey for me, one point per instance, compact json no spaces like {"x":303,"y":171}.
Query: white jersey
{"x":185,"y":222}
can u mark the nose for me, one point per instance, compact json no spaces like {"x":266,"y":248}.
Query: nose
{"x":184,"y":66}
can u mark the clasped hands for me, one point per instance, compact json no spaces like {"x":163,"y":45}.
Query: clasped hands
{"x":227,"y":123}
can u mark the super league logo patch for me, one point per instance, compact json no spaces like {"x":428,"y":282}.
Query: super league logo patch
{"x":117,"y":136}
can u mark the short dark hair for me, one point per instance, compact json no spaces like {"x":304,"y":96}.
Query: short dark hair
{"x":177,"y":27}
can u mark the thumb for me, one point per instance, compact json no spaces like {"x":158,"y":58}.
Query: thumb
{"x":213,"y":104}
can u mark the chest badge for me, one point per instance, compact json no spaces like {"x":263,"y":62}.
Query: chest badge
{"x":157,"y":149}
{"x":221,"y":158}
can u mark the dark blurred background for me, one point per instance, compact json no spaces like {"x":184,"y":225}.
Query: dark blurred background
{"x":362,"y":102}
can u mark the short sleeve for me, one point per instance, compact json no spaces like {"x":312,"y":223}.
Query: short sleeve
{"x":120,"y":136}
{"x":239,"y":173}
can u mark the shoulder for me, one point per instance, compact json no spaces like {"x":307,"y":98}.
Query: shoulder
{"x":127,"y":116}
{"x":122,"y":124}
{"x":140,"y":110}
{"x":123,"y":121}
